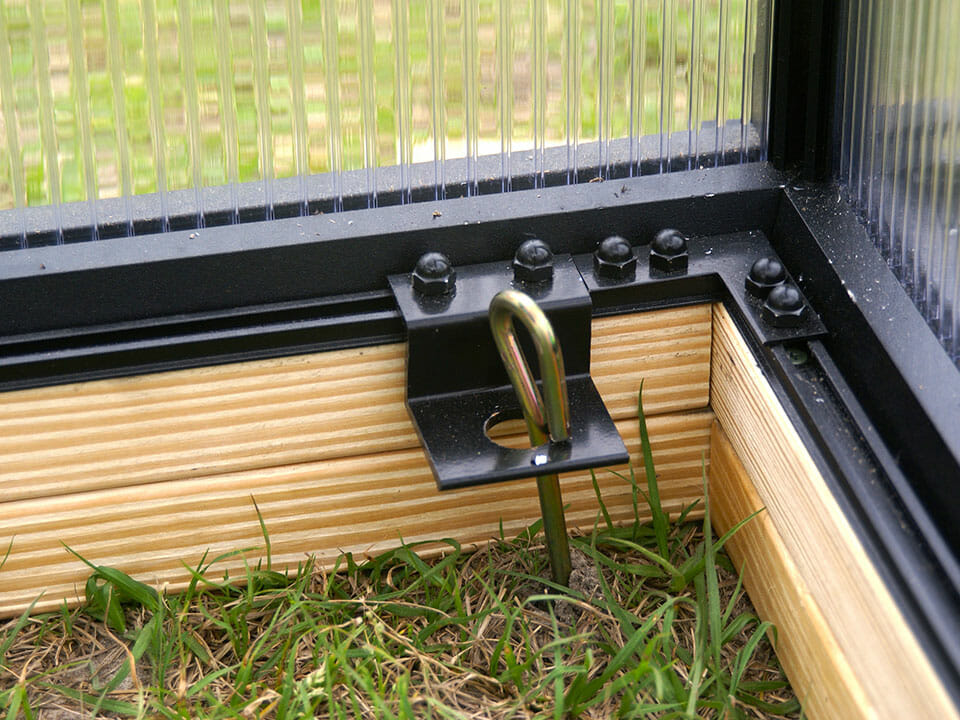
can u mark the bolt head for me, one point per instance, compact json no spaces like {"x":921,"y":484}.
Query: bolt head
{"x":434,"y":274}
{"x":533,"y":262}
{"x":765,"y":274}
{"x":614,"y":259}
{"x":668,"y":251}
{"x":784,"y":307}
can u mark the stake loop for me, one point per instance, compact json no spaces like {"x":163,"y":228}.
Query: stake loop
{"x":546,"y":421}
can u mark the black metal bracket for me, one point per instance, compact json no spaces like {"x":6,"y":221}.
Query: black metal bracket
{"x":717,"y":268}
{"x":457,"y":386}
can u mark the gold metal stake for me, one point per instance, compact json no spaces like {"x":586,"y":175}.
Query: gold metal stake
{"x":548,"y":420}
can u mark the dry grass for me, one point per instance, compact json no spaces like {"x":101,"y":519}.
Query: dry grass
{"x":466,"y":635}
{"x":654,"y":623}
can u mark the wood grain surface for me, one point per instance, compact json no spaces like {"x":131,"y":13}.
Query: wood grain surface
{"x":806,"y":648}
{"x":361,"y":505}
{"x":148,"y":473}
{"x":223,"y":419}
{"x":828,"y":567}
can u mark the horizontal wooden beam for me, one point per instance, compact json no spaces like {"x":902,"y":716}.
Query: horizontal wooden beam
{"x":810,"y":571}
{"x":361,"y":505}
{"x":231,"y":418}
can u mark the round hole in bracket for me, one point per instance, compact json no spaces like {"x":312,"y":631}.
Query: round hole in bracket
{"x":508,"y":429}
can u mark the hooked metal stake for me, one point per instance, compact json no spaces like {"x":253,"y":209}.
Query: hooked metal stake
{"x":546,"y":421}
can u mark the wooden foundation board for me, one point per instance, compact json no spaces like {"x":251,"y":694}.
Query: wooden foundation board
{"x":347,"y":403}
{"x":846,"y":645}
{"x":806,"y":648}
{"x":147,"y":473}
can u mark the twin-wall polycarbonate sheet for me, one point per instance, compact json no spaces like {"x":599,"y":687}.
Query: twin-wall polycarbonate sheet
{"x":199,"y":112}
{"x":898,"y":136}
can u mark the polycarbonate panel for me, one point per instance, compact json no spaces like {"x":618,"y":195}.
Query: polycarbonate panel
{"x":899,"y":151}
{"x":320,"y":105}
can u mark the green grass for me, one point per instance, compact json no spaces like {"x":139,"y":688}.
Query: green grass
{"x":654,"y":624}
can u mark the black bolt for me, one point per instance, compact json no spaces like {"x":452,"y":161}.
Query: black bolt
{"x":784,"y":307}
{"x":434,"y":275}
{"x":614,"y":259}
{"x":765,"y":274}
{"x":668,"y":251}
{"x":533,"y":262}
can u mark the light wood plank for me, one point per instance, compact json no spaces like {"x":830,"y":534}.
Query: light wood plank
{"x":806,"y":648}
{"x":843,"y":585}
{"x":210,"y":421}
{"x":361,"y":505}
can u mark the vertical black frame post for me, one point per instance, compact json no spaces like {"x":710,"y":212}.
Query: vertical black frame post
{"x":803,"y":85}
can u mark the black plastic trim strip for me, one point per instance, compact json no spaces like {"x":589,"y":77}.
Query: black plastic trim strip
{"x":184,"y":341}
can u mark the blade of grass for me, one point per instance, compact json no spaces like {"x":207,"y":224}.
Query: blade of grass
{"x":700,"y":646}
{"x":713,"y":587}
{"x":660,"y":520}
{"x":649,"y":554}
{"x":746,"y":653}
{"x":690,"y":570}
{"x":6,"y":554}
{"x":120,"y":707}
{"x":18,"y":698}
{"x":15,"y":631}
{"x":600,"y":502}
{"x":263,"y":531}
{"x":733,"y":598}
{"x":779,"y":709}
{"x":127,"y":589}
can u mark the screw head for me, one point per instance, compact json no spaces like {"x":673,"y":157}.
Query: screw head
{"x":434,"y":274}
{"x":614,"y":259}
{"x":765,"y":274}
{"x":784,"y":307}
{"x":668,"y":251}
{"x":533,"y":262}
